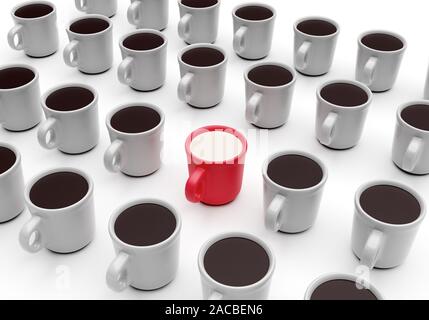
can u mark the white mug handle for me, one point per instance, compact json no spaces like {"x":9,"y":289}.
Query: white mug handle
{"x":81,"y":5}
{"x":31,"y":228}
{"x":369,"y":70}
{"x":239,"y":43}
{"x":273,"y":213}
{"x":302,"y":55}
{"x":183,"y":27}
{"x":372,"y":249}
{"x":215,"y":296}
{"x":252,"y":107}
{"x":328,"y":128}
{"x":117,"y":275}
{"x":133,"y":12}
{"x":112,"y":157}
{"x":70,"y":54}
{"x":184,"y":90}
{"x":49,"y":126}
{"x":413,"y":154}
{"x":124,"y":71}
{"x":16,"y":31}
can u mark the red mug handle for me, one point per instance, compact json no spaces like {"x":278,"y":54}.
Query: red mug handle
{"x":193,"y":188}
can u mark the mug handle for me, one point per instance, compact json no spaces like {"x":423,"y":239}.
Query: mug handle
{"x":302,"y":55}
{"x":184,"y":89}
{"x":70,"y":54}
{"x":328,"y":128}
{"x":112,"y":157}
{"x":252,"y":107}
{"x":133,"y":12}
{"x":16,"y":31}
{"x":369,"y":70}
{"x":273,"y":212}
{"x":81,"y":5}
{"x":124,"y":71}
{"x":193,"y":189}
{"x":372,"y":249}
{"x":183,"y":27}
{"x":48,"y":126}
{"x":117,"y":275}
{"x":413,"y":154}
{"x":215,"y":296}
{"x":31,"y":228}
{"x":239,"y":40}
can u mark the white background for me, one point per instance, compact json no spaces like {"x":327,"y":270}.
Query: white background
{"x":300,"y":258}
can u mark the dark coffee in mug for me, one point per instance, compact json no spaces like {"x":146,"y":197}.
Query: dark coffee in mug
{"x":15,"y":77}
{"x":31,"y":11}
{"x":236,"y":262}
{"x":344,"y":95}
{"x":135,"y":119}
{"x":59,"y":190}
{"x":7,"y":159}
{"x":382,"y":42}
{"x":203,"y":57}
{"x":254,"y":13}
{"x":143,"y":41}
{"x":295,"y":172}
{"x":340,"y":289}
{"x":417,"y":116}
{"x":317,"y":27}
{"x":69,"y":99}
{"x":89,"y":26}
{"x":270,"y":75}
{"x":390,"y":204}
{"x":145,"y":224}
{"x":199,"y":3}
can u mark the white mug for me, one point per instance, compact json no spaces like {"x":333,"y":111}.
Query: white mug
{"x":148,"y":14}
{"x":11,"y":183}
{"x":35,"y":29}
{"x":72,"y":131}
{"x":104,"y":7}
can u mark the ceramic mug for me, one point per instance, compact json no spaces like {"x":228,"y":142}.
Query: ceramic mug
{"x":148,"y":14}
{"x":35,"y":29}
{"x":104,"y":7}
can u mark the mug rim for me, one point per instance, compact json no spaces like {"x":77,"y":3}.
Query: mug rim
{"x":24,"y":66}
{"x":226,"y":235}
{"x":213,"y":128}
{"x":70,"y":85}
{"x":271,"y":63}
{"x":142,"y":31}
{"x":399,"y":185}
{"x":89,"y":16}
{"x":199,"y":8}
{"x":257,"y":4}
{"x":41,"y":175}
{"x":345,"y":81}
{"x":337,"y":276}
{"x":298,"y":153}
{"x":387,"y":32}
{"x":405,"y":106}
{"x":202,"y":45}
{"x":118,"y":211}
{"x":17,"y":159}
{"x":136,"y":104}
{"x":321,"y":18}
{"x":26,"y":3}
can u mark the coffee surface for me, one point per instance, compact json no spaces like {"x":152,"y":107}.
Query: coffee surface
{"x":417,"y":116}
{"x":135,"y":119}
{"x":7,"y":159}
{"x":143,"y":41}
{"x":15,"y":77}
{"x":341,"y":290}
{"x":32,"y":11}
{"x":270,"y":75}
{"x":216,"y":146}
{"x":236,"y":262}
{"x":344,"y":95}
{"x":199,"y":3}
{"x":89,"y":26}
{"x":317,"y":27}
{"x":203,"y":57}
{"x":145,"y":224}
{"x":69,"y":99}
{"x":382,"y":42}
{"x":254,"y":13}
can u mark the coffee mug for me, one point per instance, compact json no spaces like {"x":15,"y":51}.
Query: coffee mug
{"x":411,"y":142}
{"x":269,"y":92}
{"x":216,"y":156}
{"x":11,"y":183}
{"x":148,"y":14}
{"x":379,"y":58}
{"x":71,"y":123}
{"x":236,"y":266}
{"x":342,"y":108}
{"x":61,"y":204}
{"x":315,"y":43}
{"x":144,"y":54}
{"x":136,"y":132}
{"x":199,"y":20}
{"x":253,"y":30}
{"x":293,"y":189}
{"x":19,"y":97}
{"x":386,"y":220}
{"x":91,"y":44}
{"x":146,"y":238}
{"x":35,"y":29}
{"x":338,"y":286}
{"x":203,"y":72}
{"x":104,"y":7}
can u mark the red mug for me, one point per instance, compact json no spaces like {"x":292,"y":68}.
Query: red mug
{"x":216,"y":182}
